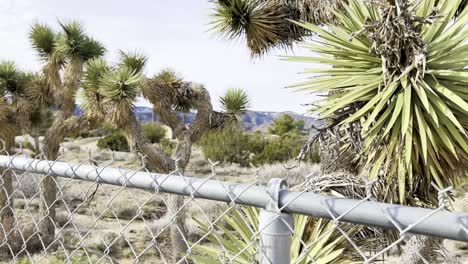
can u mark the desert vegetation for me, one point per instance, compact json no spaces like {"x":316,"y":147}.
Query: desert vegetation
{"x":283,"y":143}
{"x":394,"y":111}
{"x":394,"y":107}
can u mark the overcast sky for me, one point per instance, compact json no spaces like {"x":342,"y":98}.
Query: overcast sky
{"x":172,"y":33}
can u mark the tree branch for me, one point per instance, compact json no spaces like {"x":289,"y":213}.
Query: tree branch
{"x":157,"y":159}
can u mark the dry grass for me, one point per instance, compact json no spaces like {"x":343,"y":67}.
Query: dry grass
{"x":293,"y":173}
{"x":144,"y":213}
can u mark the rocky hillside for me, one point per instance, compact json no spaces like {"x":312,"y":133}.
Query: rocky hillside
{"x":253,"y":120}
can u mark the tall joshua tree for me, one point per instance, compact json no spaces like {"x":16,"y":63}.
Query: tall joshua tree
{"x":109,"y":93}
{"x":64,"y":55}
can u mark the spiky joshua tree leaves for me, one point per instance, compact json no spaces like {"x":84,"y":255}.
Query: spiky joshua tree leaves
{"x":406,"y":95}
{"x":264,"y":23}
{"x":109,"y":93}
{"x":64,"y":54}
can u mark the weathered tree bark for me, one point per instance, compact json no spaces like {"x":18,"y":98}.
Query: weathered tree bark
{"x":178,"y":232}
{"x":418,"y":248}
{"x":61,"y":128}
{"x":163,"y":101}
{"x":158,"y":161}
{"x":7,"y":228}
{"x":54,"y":136}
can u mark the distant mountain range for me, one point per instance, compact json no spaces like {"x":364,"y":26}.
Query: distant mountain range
{"x":253,"y":120}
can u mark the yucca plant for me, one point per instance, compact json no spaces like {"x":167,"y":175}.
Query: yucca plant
{"x":407,"y":94}
{"x":313,"y":240}
{"x":235,"y":101}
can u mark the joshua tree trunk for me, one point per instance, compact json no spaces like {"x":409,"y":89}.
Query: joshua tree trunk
{"x":7,"y":230}
{"x":186,"y":135}
{"x":178,"y":232}
{"x":54,"y":136}
{"x":48,"y":186}
{"x":61,"y":127}
{"x":418,"y":248}
{"x":158,"y":161}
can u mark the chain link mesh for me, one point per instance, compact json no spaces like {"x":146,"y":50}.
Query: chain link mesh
{"x":98,"y":222}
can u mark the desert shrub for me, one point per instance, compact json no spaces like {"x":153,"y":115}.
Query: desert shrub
{"x":115,"y":142}
{"x":103,"y":130}
{"x":286,"y":124}
{"x":28,"y":145}
{"x":235,"y":146}
{"x":279,"y":149}
{"x":154,"y":132}
{"x":284,"y":148}
{"x":168,"y":146}
{"x":228,"y":146}
{"x":256,"y":142}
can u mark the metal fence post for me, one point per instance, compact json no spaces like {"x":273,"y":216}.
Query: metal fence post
{"x":275,"y":228}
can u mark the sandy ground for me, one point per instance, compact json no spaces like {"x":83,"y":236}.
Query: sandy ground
{"x":124,"y":221}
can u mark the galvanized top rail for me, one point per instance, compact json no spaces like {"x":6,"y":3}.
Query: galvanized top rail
{"x":434,"y":222}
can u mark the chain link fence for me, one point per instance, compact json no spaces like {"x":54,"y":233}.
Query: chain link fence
{"x":107,"y":214}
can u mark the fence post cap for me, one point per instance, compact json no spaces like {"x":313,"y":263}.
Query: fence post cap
{"x":275,"y":186}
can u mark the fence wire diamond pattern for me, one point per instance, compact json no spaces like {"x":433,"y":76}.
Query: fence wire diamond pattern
{"x":106,"y":214}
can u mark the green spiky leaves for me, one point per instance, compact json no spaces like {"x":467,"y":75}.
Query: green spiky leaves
{"x":133,"y":60}
{"x":42,"y":38}
{"x":17,"y":86}
{"x":410,"y":101}
{"x":73,"y":43}
{"x":168,"y":77}
{"x":239,"y":227}
{"x":266,"y":24}
{"x":121,"y":87}
{"x":8,"y":76}
{"x":109,"y":92}
{"x":172,"y":84}
{"x":235,"y":101}
{"x":95,"y":69}
{"x":90,"y":96}
{"x":121,"y":84}
{"x":263,"y":24}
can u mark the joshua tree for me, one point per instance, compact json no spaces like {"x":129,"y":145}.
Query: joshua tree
{"x":16,"y":107}
{"x":109,"y":93}
{"x":64,"y":55}
{"x":268,"y":24}
{"x":264,"y":24}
